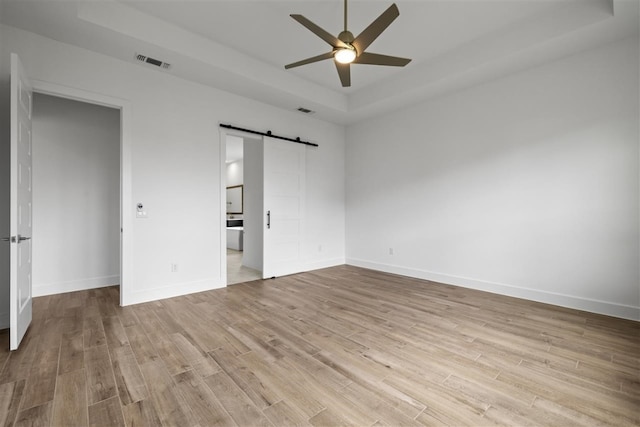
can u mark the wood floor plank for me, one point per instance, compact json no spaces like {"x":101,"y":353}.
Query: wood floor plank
{"x":329,"y":417}
{"x":388,"y":410}
{"x":4,"y":348}
{"x":36,"y":416}
{"x":141,"y":413}
{"x":195,"y":356}
{"x":127,"y":316}
{"x":167,"y":319}
{"x":148,"y":319}
{"x":71,"y":352}
{"x":41,"y":384}
{"x":72,"y":320}
{"x":236,"y":403}
{"x":287,"y":381}
{"x":10,"y":398}
{"x":243,"y":373}
{"x":169,"y":403}
{"x":101,"y":384}
{"x":129,"y":380}
{"x":18,"y":364}
{"x":70,"y":402}
{"x":206,"y":407}
{"x":114,"y":332}
{"x":140,"y":344}
{"x":283,"y":414}
{"x":173,"y":358}
{"x":107,"y":413}
{"x":93,"y":332}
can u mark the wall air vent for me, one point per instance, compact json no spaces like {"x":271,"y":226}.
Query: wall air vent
{"x":305,"y":110}
{"x":152,"y":61}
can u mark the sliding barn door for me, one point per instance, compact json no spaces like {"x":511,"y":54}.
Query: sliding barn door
{"x":284,"y":203}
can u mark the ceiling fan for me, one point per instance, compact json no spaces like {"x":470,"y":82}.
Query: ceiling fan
{"x":349,"y":50}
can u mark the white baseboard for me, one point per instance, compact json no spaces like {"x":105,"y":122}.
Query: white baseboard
{"x":40,"y":290}
{"x":170,"y":291}
{"x":325,"y":263}
{"x":5,"y":323}
{"x":179,"y":289}
{"x":569,"y":301}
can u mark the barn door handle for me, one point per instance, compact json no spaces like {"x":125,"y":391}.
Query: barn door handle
{"x":268,"y":219}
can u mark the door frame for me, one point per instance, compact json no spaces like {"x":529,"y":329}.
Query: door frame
{"x":223,"y":195}
{"x":126,"y":205}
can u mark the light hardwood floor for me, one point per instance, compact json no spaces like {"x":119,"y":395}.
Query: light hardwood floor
{"x":340,"y":346}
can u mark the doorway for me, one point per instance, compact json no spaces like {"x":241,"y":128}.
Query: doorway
{"x":274,"y":181}
{"x":126,"y":206}
{"x":76,"y":195}
{"x":243,"y":177}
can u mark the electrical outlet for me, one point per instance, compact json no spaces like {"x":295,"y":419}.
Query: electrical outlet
{"x":390,"y":251}
{"x":174,"y":268}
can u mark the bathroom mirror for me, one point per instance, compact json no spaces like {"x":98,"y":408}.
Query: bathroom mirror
{"x":234,"y":199}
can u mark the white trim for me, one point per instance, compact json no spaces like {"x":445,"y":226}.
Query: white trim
{"x":126,"y":143}
{"x":74,"y":285}
{"x":174,"y":290}
{"x":223,"y":206}
{"x":325,"y":263}
{"x":563,"y":300}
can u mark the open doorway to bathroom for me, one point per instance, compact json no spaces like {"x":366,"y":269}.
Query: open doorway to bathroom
{"x":244,"y":206}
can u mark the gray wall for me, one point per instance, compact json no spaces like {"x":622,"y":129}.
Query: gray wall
{"x":76,"y":195}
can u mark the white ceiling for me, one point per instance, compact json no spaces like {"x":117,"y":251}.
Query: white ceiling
{"x":242,"y":46}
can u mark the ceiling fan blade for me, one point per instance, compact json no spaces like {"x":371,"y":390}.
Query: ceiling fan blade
{"x":345,"y":73}
{"x":376,"y":28}
{"x":324,"y":35}
{"x":310,"y":60}
{"x":377,"y":59}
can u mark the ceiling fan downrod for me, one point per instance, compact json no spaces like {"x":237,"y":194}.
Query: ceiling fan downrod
{"x":345,"y":15}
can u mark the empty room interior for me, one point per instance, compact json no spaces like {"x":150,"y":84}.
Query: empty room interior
{"x":321,"y":213}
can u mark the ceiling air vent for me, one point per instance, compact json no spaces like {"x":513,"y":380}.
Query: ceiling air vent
{"x":305,"y":110}
{"x":152,"y":61}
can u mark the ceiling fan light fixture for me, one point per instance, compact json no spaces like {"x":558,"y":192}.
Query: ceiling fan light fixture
{"x":345,"y":55}
{"x":349,"y":50}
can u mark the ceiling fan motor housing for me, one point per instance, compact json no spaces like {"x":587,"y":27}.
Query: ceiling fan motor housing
{"x":346,"y":36}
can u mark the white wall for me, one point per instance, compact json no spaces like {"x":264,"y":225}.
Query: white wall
{"x":235,"y":173}
{"x":175,"y":154}
{"x":76,"y":195}
{"x":526,"y":186}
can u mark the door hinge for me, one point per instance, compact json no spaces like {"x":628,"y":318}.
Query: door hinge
{"x":15,"y":239}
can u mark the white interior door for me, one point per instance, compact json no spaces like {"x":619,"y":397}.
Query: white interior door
{"x":21,"y":208}
{"x":284,"y":199}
